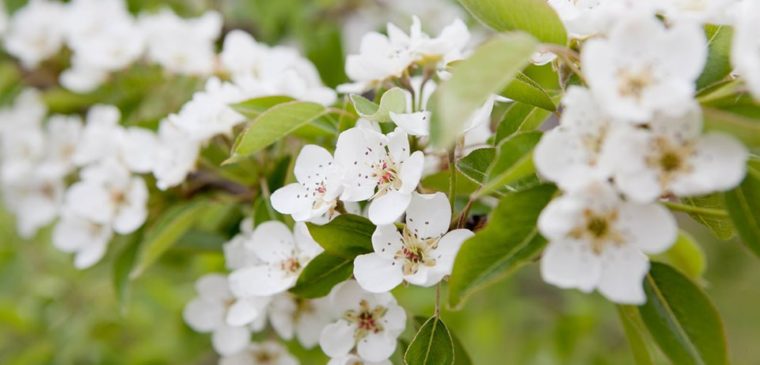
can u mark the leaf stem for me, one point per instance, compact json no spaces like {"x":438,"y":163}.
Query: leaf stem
{"x":437,"y":312}
{"x":265,"y":194}
{"x":678,"y":207}
{"x":452,"y":177}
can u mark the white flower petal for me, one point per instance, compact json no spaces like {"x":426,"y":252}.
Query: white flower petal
{"x":377,"y":274}
{"x":389,"y":207}
{"x":272,"y":241}
{"x":337,"y":339}
{"x":428,"y":215}
{"x":376,"y":346}
{"x":648,"y":227}
{"x":623,"y":272}
{"x":228,"y":340}
{"x":259,"y":281}
{"x":204,"y":315}
{"x":386,"y":241}
{"x":415,"y":124}
{"x":570,"y":264}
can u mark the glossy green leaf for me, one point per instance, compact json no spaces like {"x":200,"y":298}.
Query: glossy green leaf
{"x":487,"y":71}
{"x":509,"y":241}
{"x":513,"y":161}
{"x":743,"y":205}
{"x":475,"y":164}
{"x":635,"y":332}
{"x":681,"y":318}
{"x":168,"y":228}
{"x":720,"y":226}
{"x":744,"y":128}
{"x":432,"y":345}
{"x":718,"y":64}
{"x":322,"y":274}
{"x":393,"y":100}
{"x":461,"y":357}
{"x":685,"y":255}
{"x":275,"y":123}
{"x":520,"y":118}
{"x":440,"y":182}
{"x":251,"y":108}
{"x":345,"y":236}
{"x":536,"y":17}
{"x":525,"y":90}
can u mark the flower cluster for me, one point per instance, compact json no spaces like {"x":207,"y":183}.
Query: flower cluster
{"x":631,"y":138}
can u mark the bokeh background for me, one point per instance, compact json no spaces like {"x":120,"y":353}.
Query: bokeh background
{"x":51,"y":313}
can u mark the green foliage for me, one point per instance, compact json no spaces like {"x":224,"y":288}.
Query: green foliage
{"x":681,"y":319}
{"x":432,"y":345}
{"x":635,"y":332}
{"x":525,"y":90}
{"x":720,"y":225}
{"x":487,"y":71}
{"x":475,"y":164}
{"x":509,"y":241}
{"x":322,"y":274}
{"x":252,"y":108}
{"x":533,"y":16}
{"x":744,"y":128}
{"x":520,"y":118}
{"x":743,"y":205}
{"x":719,"y":55}
{"x":345,"y":236}
{"x":513,"y":161}
{"x":686,"y":255}
{"x":393,"y":100}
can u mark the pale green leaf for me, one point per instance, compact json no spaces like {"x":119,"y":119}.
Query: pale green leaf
{"x":274,"y":124}
{"x":536,"y":17}
{"x":432,"y":345}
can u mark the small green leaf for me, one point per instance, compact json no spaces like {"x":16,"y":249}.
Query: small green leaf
{"x":322,"y":274}
{"x":686,"y":255}
{"x":393,"y":100}
{"x":634,"y":331}
{"x":718,"y":64}
{"x":251,"y":108}
{"x":432,"y":345}
{"x":520,"y":118}
{"x":125,"y":260}
{"x":275,"y":123}
{"x":513,"y":161}
{"x":509,"y":241}
{"x":461,"y":357}
{"x":721,"y":227}
{"x":744,"y":128}
{"x":475,"y":165}
{"x":743,"y":205}
{"x":487,"y":71}
{"x":168,"y":228}
{"x":681,"y":319}
{"x":440,"y":182}
{"x":525,"y":90}
{"x":345,"y":236}
{"x":536,"y":17}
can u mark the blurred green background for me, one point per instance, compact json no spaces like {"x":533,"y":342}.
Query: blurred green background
{"x":51,"y":313}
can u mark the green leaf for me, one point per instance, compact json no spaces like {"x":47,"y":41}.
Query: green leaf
{"x":513,"y":161}
{"x":345,"y":236}
{"x":440,"y":182}
{"x":634,"y":331}
{"x":681,"y":319}
{"x":461,"y":357}
{"x":536,"y":17}
{"x":525,"y":90}
{"x":251,"y":108}
{"x":520,"y":118}
{"x":475,"y":165}
{"x":275,"y":123}
{"x":322,"y":274}
{"x":125,"y":261}
{"x":489,"y":70}
{"x":432,"y":345}
{"x":744,"y":128}
{"x":509,"y":241}
{"x":718,"y":64}
{"x":721,"y":227}
{"x":686,"y":255}
{"x":393,"y":100}
{"x":168,"y":228}
{"x":743,"y":205}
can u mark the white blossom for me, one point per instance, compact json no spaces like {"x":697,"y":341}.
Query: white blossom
{"x":422,"y":254}
{"x":264,"y":353}
{"x":352,"y":359}
{"x":283,"y":256}
{"x":63,"y":133}
{"x":36,"y":201}
{"x":101,"y":135}
{"x":598,"y":241}
{"x":303,"y":319}
{"x":85,"y":238}
{"x":380,"y":168}
{"x":317,"y":190}
{"x":208,"y":113}
{"x":644,"y":67}
{"x":745,"y":51}
{"x":368,"y":322}
{"x":702,"y":11}
{"x":35,"y":32}
{"x":175,"y":156}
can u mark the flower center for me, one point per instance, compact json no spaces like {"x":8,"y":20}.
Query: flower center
{"x":598,"y":228}
{"x":367,"y":319}
{"x":264,"y":357}
{"x":632,"y":84}
{"x":416,"y":252}
{"x":290,"y":265}
{"x":670,"y":159}
{"x":387,"y":175}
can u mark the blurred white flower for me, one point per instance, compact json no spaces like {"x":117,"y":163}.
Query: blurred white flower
{"x":744,"y":52}
{"x":264,"y":353}
{"x":283,"y":256}
{"x":369,"y":322}
{"x":101,"y":135}
{"x":303,"y":319}
{"x":63,"y":135}
{"x":175,"y":156}
{"x":422,"y":255}
{"x":35,"y":32}
{"x":379,"y":168}
{"x":85,"y":238}
{"x":36,"y":200}
{"x":702,"y":11}
{"x":352,"y":359}
{"x":597,"y":241}
{"x":208,"y":113}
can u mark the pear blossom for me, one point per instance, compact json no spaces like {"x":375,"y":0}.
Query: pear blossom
{"x":138,"y":148}
{"x":208,"y":113}
{"x":36,"y":201}
{"x":571,"y":154}
{"x":352,"y":359}
{"x":598,"y":241}
{"x":744,"y":52}
{"x":381,"y":168}
{"x":35,"y":32}
{"x":672,"y":157}
{"x":101,"y":135}
{"x":21,"y":151}
{"x":303,"y":319}
{"x":317,"y":190}
{"x":216,"y":310}
{"x":423,"y":254}
{"x":702,"y":11}
{"x":175,"y":157}
{"x":283,"y":254}
{"x":367,"y":322}
{"x":63,"y":134}
{"x":85,"y":238}
{"x":642,"y":67}
{"x":237,"y":251}
{"x":184,"y":46}
{"x":264,"y":353}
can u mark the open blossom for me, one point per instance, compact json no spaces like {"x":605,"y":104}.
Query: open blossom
{"x":85,"y":238}
{"x":317,"y":190}
{"x":35,"y":32}
{"x":598,"y":241}
{"x":744,"y":52}
{"x":352,"y":359}
{"x":422,"y":254}
{"x":379,"y":167}
{"x":671,"y":156}
{"x":175,"y":157}
{"x":644,"y":67}
{"x":36,"y":201}
{"x":283,"y":256}
{"x":702,"y":11}
{"x":237,"y":251}
{"x":368,"y":322}
{"x":208,"y":113}
{"x":217,"y":311}
{"x":264,"y":353}
{"x":101,"y":135}
{"x":303,"y":319}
